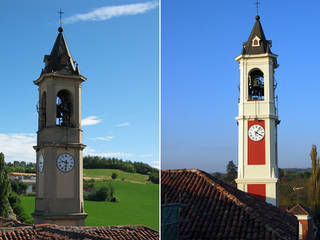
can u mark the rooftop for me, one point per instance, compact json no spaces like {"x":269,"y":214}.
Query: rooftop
{"x":216,"y":210}
{"x":12,"y":229}
{"x":299,"y":209}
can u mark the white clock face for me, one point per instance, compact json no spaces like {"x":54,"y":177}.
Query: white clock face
{"x":65,"y":162}
{"x":40,"y":163}
{"x":256,"y":132}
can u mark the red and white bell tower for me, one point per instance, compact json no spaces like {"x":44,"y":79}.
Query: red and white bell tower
{"x":258,"y":118}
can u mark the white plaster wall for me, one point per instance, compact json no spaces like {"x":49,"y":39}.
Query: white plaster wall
{"x":262,"y":110}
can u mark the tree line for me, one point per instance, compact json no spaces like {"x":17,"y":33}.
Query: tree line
{"x":21,"y":167}
{"x":91,"y":162}
{"x":94,"y":162}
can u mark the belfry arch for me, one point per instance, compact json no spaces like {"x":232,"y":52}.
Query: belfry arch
{"x":64,"y":108}
{"x":256,"y":85}
{"x":43,"y":111}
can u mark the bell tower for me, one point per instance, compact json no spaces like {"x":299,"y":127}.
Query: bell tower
{"x":59,"y":197}
{"x":258,"y":118}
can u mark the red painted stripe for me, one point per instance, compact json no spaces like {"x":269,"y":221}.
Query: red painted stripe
{"x":257,"y":190}
{"x":256,"y":150}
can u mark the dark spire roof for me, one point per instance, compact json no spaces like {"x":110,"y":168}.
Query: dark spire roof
{"x":60,"y":59}
{"x":264,"y":45}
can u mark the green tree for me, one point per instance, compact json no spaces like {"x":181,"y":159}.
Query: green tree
{"x":4,"y":189}
{"x":315,"y":183}
{"x":231,"y":174}
{"x":114,"y":175}
{"x":154,"y":177}
{"x":218,"y":175}
{"x":19,"y":187}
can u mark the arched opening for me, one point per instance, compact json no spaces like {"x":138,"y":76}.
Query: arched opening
{"x":43,"y":110}
{"x":64,"y":108}
{"x":256,"y":85}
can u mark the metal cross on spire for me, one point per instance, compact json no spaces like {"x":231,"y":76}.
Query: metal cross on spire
{"x":60,"y":12}
{"x":257,"y":3}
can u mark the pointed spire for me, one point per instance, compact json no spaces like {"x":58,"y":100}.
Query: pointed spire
{"x":60,"y":59}
{"x":257,"y":42}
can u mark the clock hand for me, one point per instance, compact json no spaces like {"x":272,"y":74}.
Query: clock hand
{"x":258,"y":134}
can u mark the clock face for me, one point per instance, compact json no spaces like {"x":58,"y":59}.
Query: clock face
{"x":40,"y":163}
{"x":256,"y":132}
{"x":65,"y":162}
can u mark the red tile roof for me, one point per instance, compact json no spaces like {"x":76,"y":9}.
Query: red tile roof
{"x":216,"y":210}
{"x":11,"y":229}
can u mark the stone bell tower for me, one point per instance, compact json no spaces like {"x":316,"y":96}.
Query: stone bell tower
{"x":258,"y":118}
{"x":59,"y":198}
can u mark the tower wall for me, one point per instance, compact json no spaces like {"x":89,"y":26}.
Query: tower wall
{"x":261,"y":174}
{"x":59,"y":197}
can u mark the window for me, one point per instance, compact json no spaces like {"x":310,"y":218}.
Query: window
{"x":64,"y":108}
{"x":256,"y":42}
{"x":256,"y":85}
{"x":43,"y":111}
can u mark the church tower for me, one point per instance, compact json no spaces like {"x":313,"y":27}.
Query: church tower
{"x":59,"y":198}
{"x":258,"y":118}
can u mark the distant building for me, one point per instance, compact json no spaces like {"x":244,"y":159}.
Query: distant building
{"x":307,"y":228}
{"x":211,"y":209}
{"x":27,"y":178}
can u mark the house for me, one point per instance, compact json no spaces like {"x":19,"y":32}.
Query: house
{"x":211,"y":209}
{"x":307,"y":228}
{"x":27,"y":178}
{"x":12,"y":229}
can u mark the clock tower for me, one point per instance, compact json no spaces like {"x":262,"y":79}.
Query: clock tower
{"x":59,"y":197}
{"x":258,"y":118}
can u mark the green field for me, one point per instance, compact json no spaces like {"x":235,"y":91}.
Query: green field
{"x":122,"y":176}
{"x":138,"y":204}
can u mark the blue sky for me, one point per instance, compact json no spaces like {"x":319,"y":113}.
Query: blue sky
{"x":200,"y":79}
{"x":115,"y":43}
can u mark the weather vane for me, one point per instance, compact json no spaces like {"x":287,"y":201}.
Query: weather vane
{"x":257,"y":6}
{"x":60,"y":12}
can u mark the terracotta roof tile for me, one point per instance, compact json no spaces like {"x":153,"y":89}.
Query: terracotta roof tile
{"x":215,"y":210}
{"x":12,"y":229}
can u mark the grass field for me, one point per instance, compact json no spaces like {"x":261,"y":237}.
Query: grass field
{"x":122,"y":176}
{"x":138,"y":204}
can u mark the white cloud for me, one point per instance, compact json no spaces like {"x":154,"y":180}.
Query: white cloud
{"x":91,"y":151}
{"x":156,"y":164}
{"x":106,"y":139}
{"x":91,"y":120}
{"x":148,"y":155}
{"x":123,"y":124}
{"x":18,"y":146}
{"x":108,"y":12}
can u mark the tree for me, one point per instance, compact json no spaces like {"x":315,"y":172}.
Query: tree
{"x":19,"y":187}
{"x":218,"y":175}
{"x":4,"y":189}
{"x":114,"y":175}
{"x":315,"y":182}
{"x":231,"y":173}
{"x":281,"y":173}
{"x":154,"y":177}
{"x":103,"y":193}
